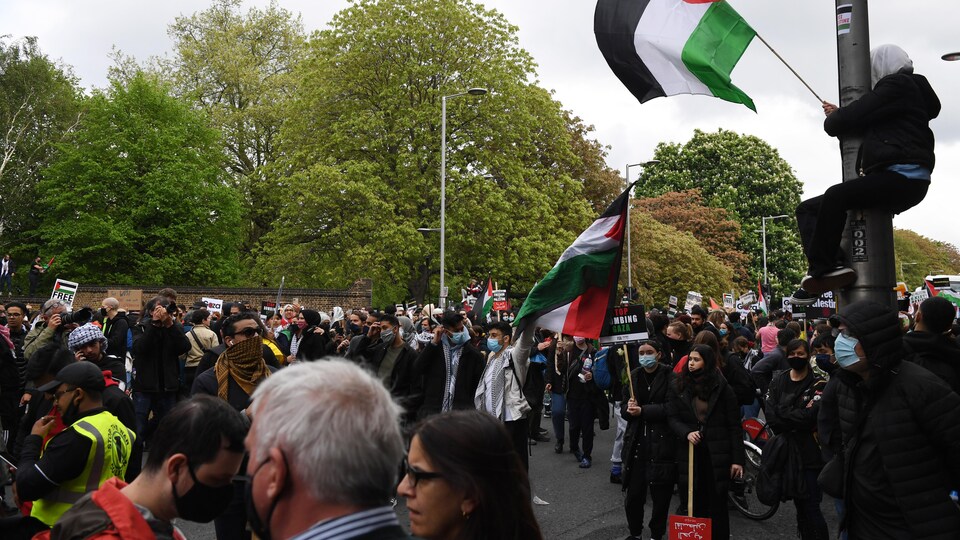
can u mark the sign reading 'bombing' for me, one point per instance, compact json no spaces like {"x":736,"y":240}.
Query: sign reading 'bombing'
{"x":624,"y":325}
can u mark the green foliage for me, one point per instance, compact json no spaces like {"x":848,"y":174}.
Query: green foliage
{"x":137,"y":194}
{"x":917,"y":256}
{"x":369,"y":99}
{"x":39,"y":104}
{"x":237,"y":67}
{"x":747,"y":176}
{"x":668,"y":262}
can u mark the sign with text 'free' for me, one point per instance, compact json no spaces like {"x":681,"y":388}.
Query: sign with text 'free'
{"x":65,"y":291}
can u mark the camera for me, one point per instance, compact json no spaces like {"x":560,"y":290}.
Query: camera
{"x":81,"y":316}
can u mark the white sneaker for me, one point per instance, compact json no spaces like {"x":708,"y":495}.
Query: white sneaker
{"x":539,"y":502}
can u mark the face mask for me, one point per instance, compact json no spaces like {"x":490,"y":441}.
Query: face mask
{"x":388,"y":336}
{"x":354,"y":328}
{"x":824,"y":363}
{"x":261,"y":528}
{"x":103,"y":313}
{"x":677,"y":342}
{"x":71,"y":413}
{"x":301,"y":324}
{"x":723,"y":332}
{"x":647,"y":360}
{"x":843,"y":349}
{"x":493,"y":345}
{"x":696,"y":375}
{"x":798,"y":364}
{"x":3,"y":320}
{"x":202,"y":503}
{"x":460,"y":337}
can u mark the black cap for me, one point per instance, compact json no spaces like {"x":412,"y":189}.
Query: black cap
{"x":84,"y":375}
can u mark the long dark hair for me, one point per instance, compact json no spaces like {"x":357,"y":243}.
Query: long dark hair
{"x":701,"y":388}
{"x":474,"y":453}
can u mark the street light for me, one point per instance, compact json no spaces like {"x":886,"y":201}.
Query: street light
{"x":764,"y":219}
{"x":902,"y":275}
{"x":951,"y":57}
{"x":629,"y":261}
{"x":443,"y":183}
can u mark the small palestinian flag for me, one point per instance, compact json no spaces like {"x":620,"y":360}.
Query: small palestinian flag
{"x":484,"y":303}
{"x":668,"y":47}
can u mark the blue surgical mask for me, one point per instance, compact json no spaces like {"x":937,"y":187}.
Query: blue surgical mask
{"x":460,"y":337}
{"x":493,"y":344}
{"x":843,"y":349}
{"x":723,"y":332}
{"x":647,"y":360}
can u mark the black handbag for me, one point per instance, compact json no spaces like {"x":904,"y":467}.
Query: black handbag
{"x":831,"y":477}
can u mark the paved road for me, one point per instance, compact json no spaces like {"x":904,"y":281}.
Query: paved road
{"x":585,"y":505}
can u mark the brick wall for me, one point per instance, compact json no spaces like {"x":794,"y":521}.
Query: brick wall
{"x":360,"y":294}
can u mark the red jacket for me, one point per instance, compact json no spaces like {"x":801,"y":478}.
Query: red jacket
{"x":105,"y":513}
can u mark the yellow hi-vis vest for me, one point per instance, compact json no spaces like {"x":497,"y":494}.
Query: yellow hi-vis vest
{"x":108,"y":457}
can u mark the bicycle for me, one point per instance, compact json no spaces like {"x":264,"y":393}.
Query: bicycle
{"x":756,"y":433}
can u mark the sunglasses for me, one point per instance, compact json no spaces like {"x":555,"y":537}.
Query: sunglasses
{"x":247,"y":332}
{"x":416,"y":475}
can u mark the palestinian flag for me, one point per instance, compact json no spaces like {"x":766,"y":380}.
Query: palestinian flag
{"x":668,"y":47}
{"x":484,"y":304}
{"x":574,"y":296}
{"x":761,"y":302}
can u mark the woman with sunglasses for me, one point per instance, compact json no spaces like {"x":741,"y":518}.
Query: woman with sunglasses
{"x":465,"y":481}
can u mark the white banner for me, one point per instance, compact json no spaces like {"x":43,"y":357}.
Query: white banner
{"x":214,"y":305}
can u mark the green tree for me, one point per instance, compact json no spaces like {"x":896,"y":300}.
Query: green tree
{"x":667,"y":261}
{"x":369,"y":99}
{"x":137,"y":194}
{"x":237,"y":67}
{"x":917,"y":256}
{"x":747,"y":176}
{"x":39,"y":104}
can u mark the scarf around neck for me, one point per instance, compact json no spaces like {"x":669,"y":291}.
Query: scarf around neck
{"x":244,"y":363}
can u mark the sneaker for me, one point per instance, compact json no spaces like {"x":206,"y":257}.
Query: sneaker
{"x":540,"y":437}
{"x":836,"y":278}
{"x":558,"y":448}
{"x":577,"y":455}
{"x":531,"y":442}
{"x":539,"y":502}
{"x":616,"y":479}
{"x":585,"y":463}
{"x":803,"y":298}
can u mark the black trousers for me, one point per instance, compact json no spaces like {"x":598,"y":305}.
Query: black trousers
{"x":709,"y":500}
{"x":637,"y":487}
{"x":821,"y":219}
{"x":810,"y":520}
{"x":518,"y":430}
{"x":581,"y":413}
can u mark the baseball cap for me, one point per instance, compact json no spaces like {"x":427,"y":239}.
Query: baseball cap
{"x":84,"y":375}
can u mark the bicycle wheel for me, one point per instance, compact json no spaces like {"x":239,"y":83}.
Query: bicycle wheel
{"x":748,"y":504}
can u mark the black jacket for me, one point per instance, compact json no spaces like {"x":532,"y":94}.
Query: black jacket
{"x":116,"y":334}
{"x":156,"y":357}
{"x":648,"y":442}
{"x":739,"y":379}
{"x":312,"y":346}
{"x":403,"y":383}
{"x":206,"y":383}
{"x":764,"y":369}
{"x":431,"y":366}
{"x":788,"y":414}
{"x":913,"y":421}
{"x":938,"y":353}
{"x":722,"y":433}
{"x":893,"y":120}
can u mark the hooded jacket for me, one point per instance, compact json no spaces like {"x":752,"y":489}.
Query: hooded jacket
{"x":913,"y":422}
{"x":937,"y":353}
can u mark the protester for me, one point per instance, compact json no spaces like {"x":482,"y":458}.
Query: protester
{"x":76,"y":460}
{"x":900,"y":433}
{"x":464,"y":480}
{"x":115,"y":327}
{"x":450,"y":367}
{"x":699,"y":321}
{"x":768,"y":333}
{"x":534,"y":388}
{"x":929,"y":343}
{"x":649,"y":446}
{"x":313,"y":340}
{"x":895,"y":162}
{"x":8,"y":269}
{"x":582,"y":397}
{"x":17,"y":316}
{"x":703,"y":411}
{"x":556,"y":378}
{"x":188,"y":475}
{"x":48,"y":329}
{"x":36,"y":270}
{"x":202,"y":339}
{"x":792,"y":404}
{"x":773,"y":361}
{"x":392,"y":362}
{"x":43,"y":368}
{"x":679,"y":335}
{"x":324,"y":447}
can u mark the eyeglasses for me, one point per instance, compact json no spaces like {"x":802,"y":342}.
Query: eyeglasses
{"x":416,"y":475}
{"x":247,"y":332}
{"x":58,"y":395}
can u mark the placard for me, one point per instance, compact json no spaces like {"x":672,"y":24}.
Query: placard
{"x":689,"y":528}
{"x":673,"y":301}
{"x":626,"y":324}
{"x":728,"y":301}
{"x":823,"y":308}
{"x":500,"y":302}
{"x":919,"y":296}
{"x":267,"y":309}
{"x":693,"y":299}
{"x":214,"y":305}
{"x":65,"y":291}
{"x":130,"y":299}
{"x":748,"y":298}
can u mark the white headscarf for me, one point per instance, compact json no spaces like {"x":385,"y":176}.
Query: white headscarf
{"x":887,"y":60}
{"x":337,"y":314}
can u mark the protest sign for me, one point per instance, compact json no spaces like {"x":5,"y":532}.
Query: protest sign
{"x":673,"y":302}
{"x":728,"y":301}
{"x":693,"y":299}
{"x":267,"y":309}
{"x":624,"y":325}
{"x":130,"y":299}
{"x":65,"y":291}
{"x":748,"y":298}
{"x":214,"y":305}
{"x":500,"y":302}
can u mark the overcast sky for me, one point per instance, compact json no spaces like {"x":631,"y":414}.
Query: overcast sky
{"x":559,"y":35}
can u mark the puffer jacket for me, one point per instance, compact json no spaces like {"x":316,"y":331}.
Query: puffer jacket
{"x":893,"y":120}
{"x":915,"y":419}
{"x":722,"y":433}
{"x":648,"y":441}
{"x":938,"y":353}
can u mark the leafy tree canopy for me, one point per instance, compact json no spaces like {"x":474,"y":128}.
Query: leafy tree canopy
{"x":137,"y":194}
{"x":917,"y":256}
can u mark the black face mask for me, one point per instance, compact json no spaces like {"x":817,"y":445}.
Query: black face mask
{"x":824,"y":363}
{"x":3,"y":320}
{"x":202,"y":503}
{"x":71,"y":414}
{"x":261,"y":528}
{"x":354,"y":328}
{"x":103,"y":313}
{"x":798,"y":364}
{"x":677,"y":342}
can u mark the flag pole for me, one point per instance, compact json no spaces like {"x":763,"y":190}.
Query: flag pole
{"x":797,"y":75}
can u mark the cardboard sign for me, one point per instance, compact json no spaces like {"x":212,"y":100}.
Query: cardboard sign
{"x":688,"y":528}
{"x":500,"y":300}
{"x":214,"y":305}
{"x":267,"y":309}
{"x":624,"y":325}
{"x":693,"y":299}
{"x":130,"y":299}
{"x":65,"y":291}
{"x":673,"y":302}
{"x":748,"y":298}
{"x":919,"y":296}
{"x":728,"y":301}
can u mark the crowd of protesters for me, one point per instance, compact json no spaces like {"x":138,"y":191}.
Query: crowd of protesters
{"x":865,"y":408}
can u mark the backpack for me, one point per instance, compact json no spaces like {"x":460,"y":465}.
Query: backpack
{"x":601,"y":370}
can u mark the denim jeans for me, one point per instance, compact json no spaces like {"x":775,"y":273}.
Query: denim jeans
{"x":615,"y":458}
{"x":558,"y":415}
{"x":158,"y":402}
